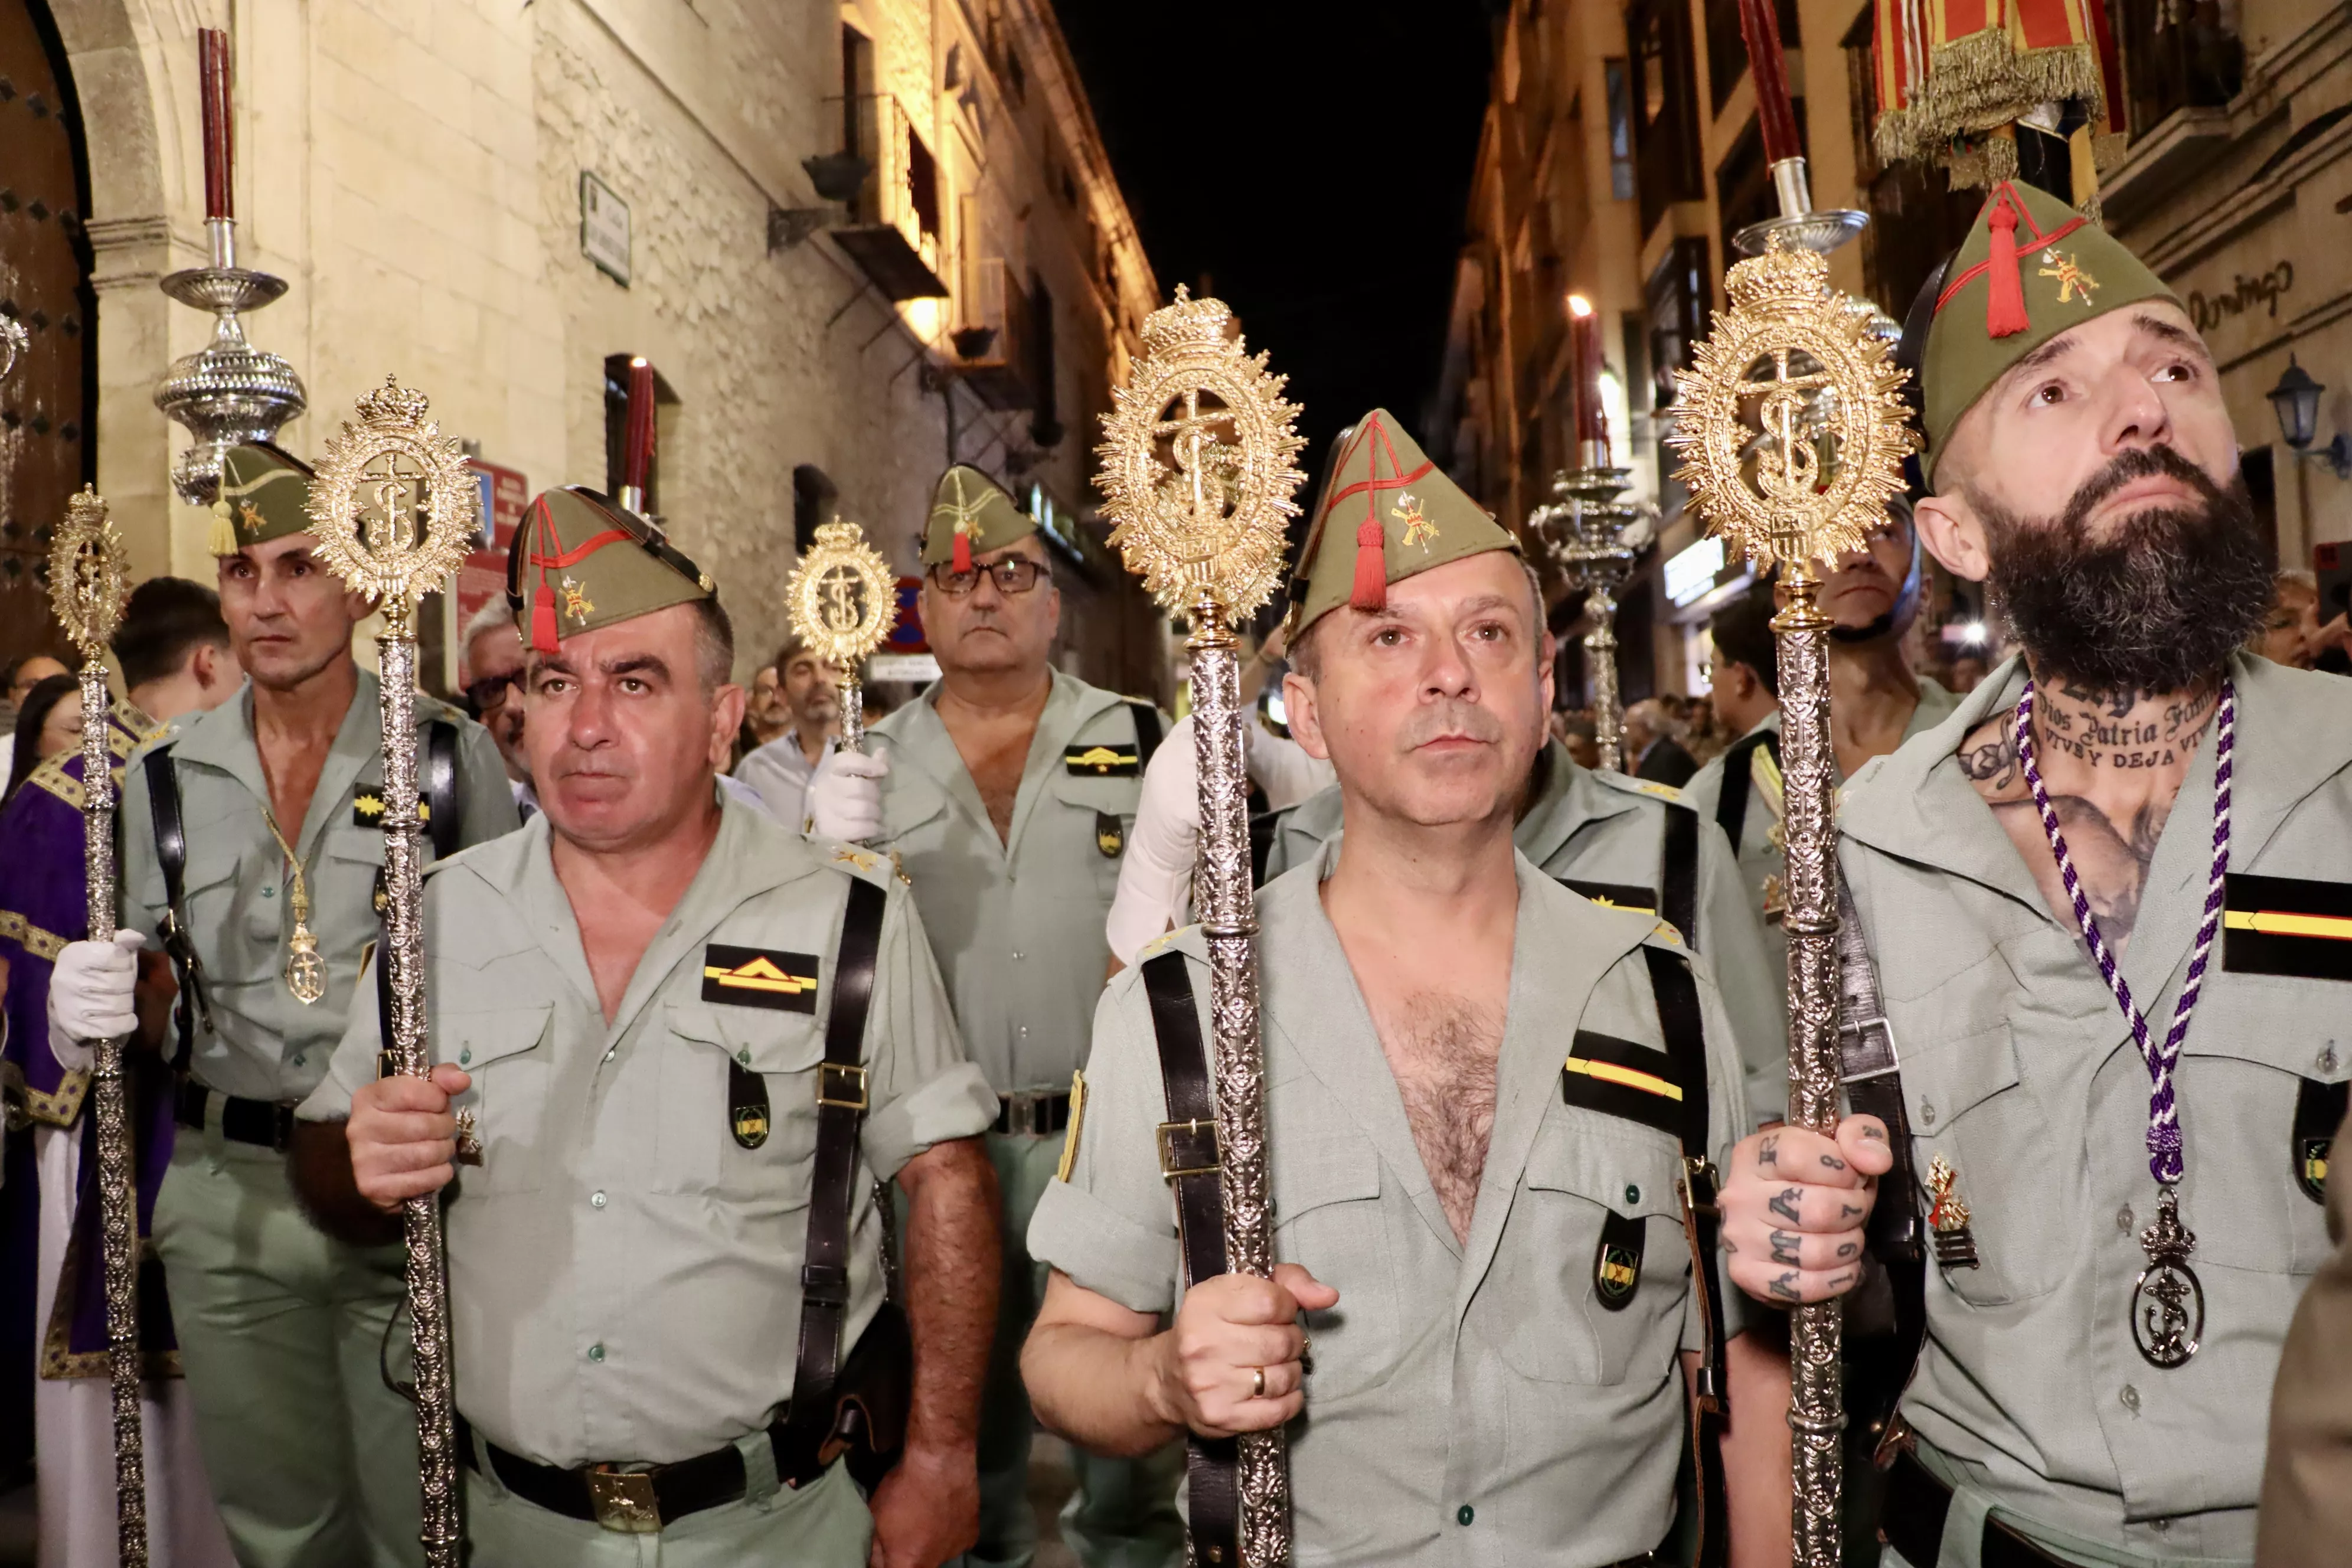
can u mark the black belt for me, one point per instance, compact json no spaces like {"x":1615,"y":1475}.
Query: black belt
{"x":635,"y":1502}
{"x":1041,"y":1114}
{"x":1912,"y":1521}
{"x":262,"y":1122}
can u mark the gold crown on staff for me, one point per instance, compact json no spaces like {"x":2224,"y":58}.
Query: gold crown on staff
{"x":418,"y":522}
{"x":1207,"y":522}
{"x":88,"y":584}
{"x":842,"y":598}
{"x":1789,"y":358}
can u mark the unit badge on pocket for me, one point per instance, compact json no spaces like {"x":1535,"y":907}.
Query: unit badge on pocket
{"x":1110,"y":835}
{"x":1617,"y":1263}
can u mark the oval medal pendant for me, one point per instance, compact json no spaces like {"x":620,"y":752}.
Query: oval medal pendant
{"x":2169,"y":1303}
{"x":306,"y":976}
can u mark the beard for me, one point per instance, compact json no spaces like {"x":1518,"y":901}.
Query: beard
{"x":2156,"y":608}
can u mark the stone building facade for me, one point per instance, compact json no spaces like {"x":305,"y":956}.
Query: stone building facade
{"x":964,"y":289}
{"x":1620,"y":153}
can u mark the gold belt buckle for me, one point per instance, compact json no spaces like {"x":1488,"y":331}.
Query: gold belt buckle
{"x":624,"y":1500}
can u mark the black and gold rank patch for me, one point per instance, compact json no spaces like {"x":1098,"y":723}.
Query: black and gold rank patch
{"x":1617,"y":1262}
{"x":369,"y":809}
{"x":747,"y":1105}
{"x":2318,"y":1111}
{"x":1618,"y":1078}
{"x":1614,"y":895}
{"x":759,"y":977}
{"x":1110,"y":835}
{"x":1101,"y":762}
{"x":2285,"y":925}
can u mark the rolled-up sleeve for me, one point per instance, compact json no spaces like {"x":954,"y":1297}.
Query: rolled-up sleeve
{"x":1111,"y":1227}
{"x":920,"y":1090}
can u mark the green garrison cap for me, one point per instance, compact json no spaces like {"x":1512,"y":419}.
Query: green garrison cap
{"x":2031,"y":268}
{"x":264,"y":494}
{"x":580,"y":561}
{"x":1403,"y":515}
{"x":971,"y":515}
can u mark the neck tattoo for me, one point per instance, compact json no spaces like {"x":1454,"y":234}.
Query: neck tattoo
{"x":2169,"y":1303}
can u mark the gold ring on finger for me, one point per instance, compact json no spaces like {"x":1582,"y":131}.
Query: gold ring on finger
{"x":1258,"y":1382}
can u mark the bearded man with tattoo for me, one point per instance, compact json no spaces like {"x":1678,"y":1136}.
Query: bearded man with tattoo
{"x":2103,"y":904}
{"x":1481,"y":1090}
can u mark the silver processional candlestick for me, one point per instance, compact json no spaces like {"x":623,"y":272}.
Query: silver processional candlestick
{"x":1597,"y":540}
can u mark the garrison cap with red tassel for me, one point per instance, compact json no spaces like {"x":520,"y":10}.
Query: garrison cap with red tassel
{"x":1400,"y":515}
{"x":580,"y":561}
{"x":2031,"y":268}
{"x":971,"y":515}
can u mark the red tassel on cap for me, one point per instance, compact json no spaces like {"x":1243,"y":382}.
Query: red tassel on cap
{"x":2004,"y":290}
{"x":1371,"y":590}
{"x":961,"y":552}
{"x":543,"y":618}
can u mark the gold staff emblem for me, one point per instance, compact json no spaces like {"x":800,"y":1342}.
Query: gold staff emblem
{"x":88,"y":584}
{"x":842,"y":597}
{"x":417,"y":520}
{"x":1196,"y":464}
{"x":1789,"y":360}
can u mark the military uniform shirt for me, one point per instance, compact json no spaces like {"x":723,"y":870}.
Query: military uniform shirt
{"x":2019,"y":1070}
{"x":1607,"y":828}
{"x":624,"y":1277}
{"x":1017,"y":921}
{"x":265,"y":1044}
{"x":1470,"y":1404}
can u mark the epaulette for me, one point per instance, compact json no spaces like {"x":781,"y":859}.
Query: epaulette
{"x":431,"y":710}
{"x":1632,"y":785}
{"x":856,"y":860}
{"x":1169,"y":940}
{"x":1664,"y":934}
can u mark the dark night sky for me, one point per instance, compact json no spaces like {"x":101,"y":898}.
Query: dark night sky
{"x":1318,"y":175}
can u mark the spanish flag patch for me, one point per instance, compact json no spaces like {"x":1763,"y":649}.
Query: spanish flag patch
{"x":1101,"y":762}
{"x":759,"y":977}
{"x":1618,"y":1078}
{"x":2285,"y":925}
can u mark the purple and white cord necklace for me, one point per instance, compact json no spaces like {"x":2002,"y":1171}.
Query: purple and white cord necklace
{"x":2169,"y":1303}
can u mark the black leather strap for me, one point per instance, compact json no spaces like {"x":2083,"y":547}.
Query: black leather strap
{"x":1679,"y":874}
{"x":1880,"y":1363}
{"x":172,"y":854}
{"x":1738,"y":762}
{"x":438,"y":788}
{"x":260,"y":1123}
{"x":1147,"y":734}
{"x":1682,"y":1025}
{"x":1190,"y":1162}
{"x":840,"y":1107}
{"x":1917,"y":1504}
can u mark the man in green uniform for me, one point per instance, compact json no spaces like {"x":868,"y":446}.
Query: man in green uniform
{"x":271,"y":806}
{"x":688,"y":1040}
{"x":1007,"y":792}
{"x":1876,"y":702}
{"x":1483,"y":1093}
{"x":2105,"y":900}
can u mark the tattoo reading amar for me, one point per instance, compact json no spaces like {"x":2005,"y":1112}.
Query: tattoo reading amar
{"x":1784,"y":1247}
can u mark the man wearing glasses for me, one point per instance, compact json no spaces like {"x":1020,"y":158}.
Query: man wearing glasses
{"x":1007,"y":792}
{"x":494,"y":694}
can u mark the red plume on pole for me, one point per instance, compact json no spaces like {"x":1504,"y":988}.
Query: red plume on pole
{"x":213,"y":63}
{"x":637,"y":444}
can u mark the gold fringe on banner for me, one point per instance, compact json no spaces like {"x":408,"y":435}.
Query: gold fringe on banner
{"x":1977,"y":83}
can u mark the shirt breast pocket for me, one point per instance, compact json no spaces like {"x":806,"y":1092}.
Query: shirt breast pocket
{"x":1328,"y":1219}
{"x":504,"y":1050}
{"x":1593,"y":1271}
{"x":2261,"y":1046}
{"x":696,"y":1149}
{"x":1099,"y":819}
{"x":1967,"y":1106}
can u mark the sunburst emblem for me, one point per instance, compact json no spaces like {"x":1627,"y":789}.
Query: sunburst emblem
{"x":1789,"y":417}
{"x":393,"y":506}
{"x":88,"y":581}
{"x":1198,"y":467}
{"x":842,"y":598}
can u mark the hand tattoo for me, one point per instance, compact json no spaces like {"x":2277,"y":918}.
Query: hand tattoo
{"x":1785,"y":1205}
{"x":1768,"y":1153}
{"x":1848,"y":1248}
{"x":1784,"y":1247}
{"x":1850,"y":1211}
{"x":1784,"y":1287}
{"x":1832,"y":1162}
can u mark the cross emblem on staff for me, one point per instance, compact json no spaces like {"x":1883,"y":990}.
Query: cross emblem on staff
{"x":1191,"y":442}
{"x":1791,"y":476}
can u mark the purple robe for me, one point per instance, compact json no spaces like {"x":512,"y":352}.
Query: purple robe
{"x":44,"y":904}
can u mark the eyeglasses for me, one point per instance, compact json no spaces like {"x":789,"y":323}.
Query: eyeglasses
{"x":1013,"y":576}
{"x":491,"y":690}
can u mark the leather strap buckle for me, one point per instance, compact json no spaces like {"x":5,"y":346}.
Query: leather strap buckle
{"x":1189,"y":1149}
{"x":624,"y":1500}
{"x":837,"y":1082}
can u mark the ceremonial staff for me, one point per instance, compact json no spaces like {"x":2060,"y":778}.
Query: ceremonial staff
{"x":1789,"y":476}
{"x":843,"y":602}
{"x":393,"y":510}
{"x":87,"y":586}
{"x":1197,"y":472}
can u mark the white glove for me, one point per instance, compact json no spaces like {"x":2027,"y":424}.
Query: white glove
{"x":90,"y":997}
{"x":1155,"y":878}
{"x":845,"y":796}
